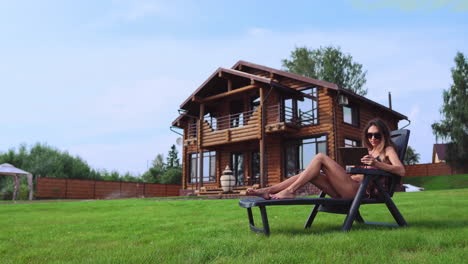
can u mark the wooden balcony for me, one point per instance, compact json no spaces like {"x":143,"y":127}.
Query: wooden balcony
{"x":246,"y":126}
{"x":227,"y":129}
{"x":281,"y":120}
{"x":231,"y":128}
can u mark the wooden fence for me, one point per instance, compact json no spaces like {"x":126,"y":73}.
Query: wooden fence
{"x":431,"y":169}
{"x":91,"y":189}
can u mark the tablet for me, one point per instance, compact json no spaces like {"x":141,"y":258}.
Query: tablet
{"x":352,"y":156}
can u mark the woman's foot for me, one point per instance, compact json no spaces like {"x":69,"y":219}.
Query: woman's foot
{"x":263,"y":192}
{"x":284,"y":194}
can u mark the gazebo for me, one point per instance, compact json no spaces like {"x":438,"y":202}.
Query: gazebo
{"x":10,"y":170}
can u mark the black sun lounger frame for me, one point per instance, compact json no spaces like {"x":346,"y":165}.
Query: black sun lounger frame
{"x":350,"y":207}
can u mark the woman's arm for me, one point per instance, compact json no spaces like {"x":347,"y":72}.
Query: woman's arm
{"x":395,"y":167}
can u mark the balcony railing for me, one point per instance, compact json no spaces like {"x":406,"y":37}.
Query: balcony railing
{"x":192,"y":130}
{"x":274,"y":114}
{"x":277,"y":114}
{"x":229,"y":121}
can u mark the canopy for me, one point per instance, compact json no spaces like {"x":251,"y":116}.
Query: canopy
{"x":8,"y":169}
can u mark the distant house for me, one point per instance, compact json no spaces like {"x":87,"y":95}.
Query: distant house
{"x":439,"y":153}
{"x":267,"y":125}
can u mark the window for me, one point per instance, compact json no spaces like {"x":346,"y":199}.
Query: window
{"x":349,"y":143}
{"x":193,"y":168}
{"x":237,"y":165}
{"x":209,"y":167}
{"x":304,"y":113}
{"x":255,"y":168}
{"x":308,"y":109}
{"x":236,"y":116}
{"x":212,"y":121}
{"x":351,"y":115}
{"x":254,"y":103}
{"x":300,"y":152}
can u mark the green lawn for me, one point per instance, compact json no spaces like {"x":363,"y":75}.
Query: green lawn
{"x":216,"y":231}
{"x":439,"y":182}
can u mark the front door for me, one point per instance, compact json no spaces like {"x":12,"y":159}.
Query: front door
{"x":237,"y":164}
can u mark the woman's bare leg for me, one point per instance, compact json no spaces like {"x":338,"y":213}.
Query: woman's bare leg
{"x":336,"y":177}
{"x":323,"y":184}
{"x":265,"y":192}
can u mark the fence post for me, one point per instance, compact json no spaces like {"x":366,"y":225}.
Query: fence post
{"x":66,"y":187}
{"x":94,"y":191}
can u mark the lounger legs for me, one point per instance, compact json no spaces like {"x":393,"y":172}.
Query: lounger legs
{"x":354,"y":210}
{"x":266,"y":227}
{"x":314,"y":212}
{"x":391,"y":206}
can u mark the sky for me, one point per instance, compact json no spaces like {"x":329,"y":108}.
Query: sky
{"x":104,"y":79}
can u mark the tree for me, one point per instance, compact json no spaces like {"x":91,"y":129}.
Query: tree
{"x":172,"y":158}
{"x":454,"y":126}
{"x":411,"y":156}
{"x":328,"y":64}
{"x":43,"y":160}
{"x":172,"y":176}
{"x":153,"y":175}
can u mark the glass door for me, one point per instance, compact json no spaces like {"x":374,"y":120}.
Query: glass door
{"x":237,"y":164}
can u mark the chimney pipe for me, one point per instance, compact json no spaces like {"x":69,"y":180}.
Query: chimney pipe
{"x":389,"y":100}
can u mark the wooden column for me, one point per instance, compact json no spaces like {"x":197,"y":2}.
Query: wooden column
{"x":200,"y":143}
{"x":184,"y":162}
{"x":263,"y":174}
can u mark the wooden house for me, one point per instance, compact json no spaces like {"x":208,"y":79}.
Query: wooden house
{"x":267,"y":124}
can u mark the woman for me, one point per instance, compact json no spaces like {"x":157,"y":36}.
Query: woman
{"x":334,"y":181}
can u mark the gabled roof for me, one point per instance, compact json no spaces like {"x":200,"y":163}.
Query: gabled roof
{"x":269,"y":76}
{"x":287,"y":74}
{"x":315,"y":82}
{"x":245,"y":75}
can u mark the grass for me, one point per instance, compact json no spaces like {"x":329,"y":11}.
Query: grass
{"x":439,"y":182}
{"x":216,"y":231}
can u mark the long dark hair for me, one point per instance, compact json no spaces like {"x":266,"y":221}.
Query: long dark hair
{"x":384,"y":131}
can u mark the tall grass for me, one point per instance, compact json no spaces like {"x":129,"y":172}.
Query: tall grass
{"x":216,"y":231}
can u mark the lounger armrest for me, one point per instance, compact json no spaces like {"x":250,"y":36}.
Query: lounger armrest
{"x":369,"y":172}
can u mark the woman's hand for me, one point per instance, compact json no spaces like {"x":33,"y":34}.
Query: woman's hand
{"x":368,"y":160}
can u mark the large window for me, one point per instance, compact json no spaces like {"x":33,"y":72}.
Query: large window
{"x":300,"y":152}
{"x":351,"y":143}
{"x":305,"y":112}
{"x":308,"y":109}
{"x":193,"y":176}
{"x":237,"y":165}
{"x":209,"y":167}
{"x":351,"y":115}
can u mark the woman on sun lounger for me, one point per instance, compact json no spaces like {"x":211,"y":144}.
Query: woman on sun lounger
{"x":334,"y":181}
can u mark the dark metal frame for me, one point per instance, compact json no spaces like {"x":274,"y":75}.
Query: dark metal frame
{"x":350,"y":207}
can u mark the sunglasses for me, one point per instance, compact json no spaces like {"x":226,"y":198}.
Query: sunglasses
{"x":375,"y":135}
